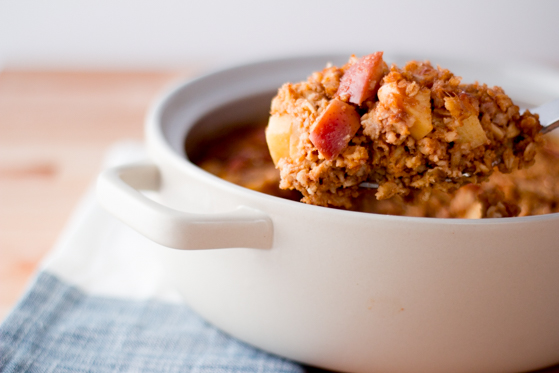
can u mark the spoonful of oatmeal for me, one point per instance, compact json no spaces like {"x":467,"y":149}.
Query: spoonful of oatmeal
{"x":549,"y":119}
{"x":414,"y":128}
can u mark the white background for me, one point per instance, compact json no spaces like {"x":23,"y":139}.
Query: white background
{"x":170,"y":34}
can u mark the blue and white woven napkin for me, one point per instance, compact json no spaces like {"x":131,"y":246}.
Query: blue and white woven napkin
{"x":100,"y":303}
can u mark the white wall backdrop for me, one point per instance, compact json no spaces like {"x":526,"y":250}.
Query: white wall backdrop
{"x":138,"y":34}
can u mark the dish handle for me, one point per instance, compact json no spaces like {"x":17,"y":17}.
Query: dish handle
{"x":118,"y":190}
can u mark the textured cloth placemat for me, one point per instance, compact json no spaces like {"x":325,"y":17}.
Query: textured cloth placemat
{"x":101,"y":303}
{"x":58,"y":328}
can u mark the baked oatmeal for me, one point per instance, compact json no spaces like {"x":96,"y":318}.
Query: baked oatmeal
{"x":416,"y":131}
{"x":243,"y":158}
{"x":526,"y":192}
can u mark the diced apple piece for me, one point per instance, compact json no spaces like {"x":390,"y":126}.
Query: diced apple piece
{"x":388,"y":93}
{"x":334,"y":128}
{"x":294,"y":142}
{"x":278,"y":133}
{"x":361,"y":81}
{"x":418,"y":107}
{"x":464,"y":112}
{"x":471,"y":132}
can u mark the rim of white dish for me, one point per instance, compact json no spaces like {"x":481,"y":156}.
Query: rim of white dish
{"x":547,"y":79}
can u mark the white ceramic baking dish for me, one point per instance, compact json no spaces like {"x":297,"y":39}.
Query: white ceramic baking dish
{"x":340,"y":290}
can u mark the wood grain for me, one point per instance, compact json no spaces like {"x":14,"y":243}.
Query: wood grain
{"x":54,"y":130}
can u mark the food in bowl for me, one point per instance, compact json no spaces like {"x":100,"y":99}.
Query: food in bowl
{"x":341,"y":290}
{"x":411,"y":130}
{"x":241,"y":156}
{"x":499,"y":181}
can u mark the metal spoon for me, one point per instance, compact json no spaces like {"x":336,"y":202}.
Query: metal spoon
{"x":549,"y":115}
{"x":549,"y":119}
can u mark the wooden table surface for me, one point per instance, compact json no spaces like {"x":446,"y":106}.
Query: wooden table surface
{"x":54,"y":130}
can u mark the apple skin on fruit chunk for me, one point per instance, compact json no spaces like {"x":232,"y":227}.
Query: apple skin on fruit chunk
{"x":334,"y":128}
{"x":361,"y":81}
{"x":278,"y":134}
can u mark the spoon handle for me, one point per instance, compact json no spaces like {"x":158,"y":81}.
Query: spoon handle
{"x":549,"y":115}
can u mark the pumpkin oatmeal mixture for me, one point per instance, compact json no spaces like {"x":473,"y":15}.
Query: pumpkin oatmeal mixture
{"x":416,"y":131}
